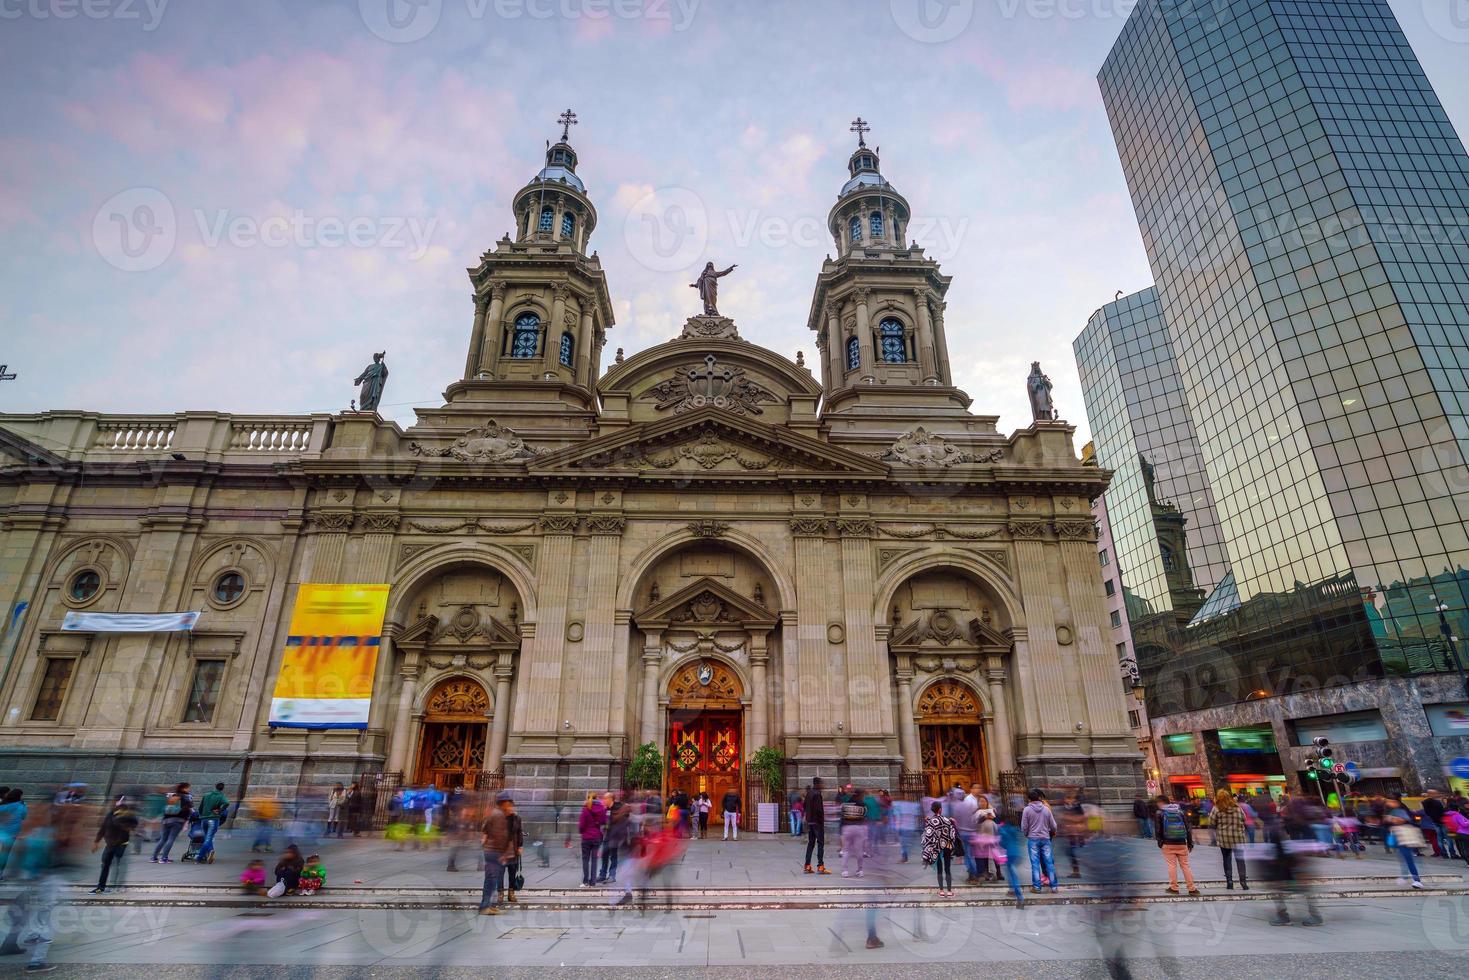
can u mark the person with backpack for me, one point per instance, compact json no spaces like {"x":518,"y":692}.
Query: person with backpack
{"x":178,"y":806}
{"x":939,"y":833}
{"x":1038,"y":826}
{"x":815,"y":818}
{"x":116,"y":831}
{"x":1176,"y":840}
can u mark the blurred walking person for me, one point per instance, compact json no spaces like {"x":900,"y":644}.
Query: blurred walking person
{"x":12,"y":819}
{"x":939,"y":833}
{"x":336,"y":804}
{"x":1406,"y":839}
{"x":31,"y":925}
{"x":614,"y":839}
{"x":1229,"y":836}
{"x":516,"y":854}
{"x":213,"y":810}
{"x":1176,"y":841}
{"x":815,"y":817}
{"x":1038,"y":827}
{"x":854,"y":831}
{"x":116,"y":831}
{"x":1144,"y":818}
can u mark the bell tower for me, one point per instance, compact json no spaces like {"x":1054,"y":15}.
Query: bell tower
{"x":541,"y":305}
{"x":878,"y":308}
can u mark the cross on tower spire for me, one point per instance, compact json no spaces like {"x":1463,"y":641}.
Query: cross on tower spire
{"x":860,"y":127}
{"x":567,"y":120}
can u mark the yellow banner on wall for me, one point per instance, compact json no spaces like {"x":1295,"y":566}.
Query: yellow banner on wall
{"x":330,"y":659}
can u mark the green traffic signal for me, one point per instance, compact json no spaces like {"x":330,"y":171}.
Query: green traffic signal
{"x":1311,"y":774}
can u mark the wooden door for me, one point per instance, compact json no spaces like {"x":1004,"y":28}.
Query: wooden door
{"x":704,"y":756}
{"x":451,"y":752}
{"x":953,"y":754}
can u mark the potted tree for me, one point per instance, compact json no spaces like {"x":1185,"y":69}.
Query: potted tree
{"x":767,"y":765}
{"x":645,"y":771}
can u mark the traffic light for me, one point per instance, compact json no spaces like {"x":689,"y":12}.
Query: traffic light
{"x":1322,"y":755}
{"x":1311,"y":774}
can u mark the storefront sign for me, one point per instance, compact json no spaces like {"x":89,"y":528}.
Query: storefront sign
{"x":330,"y":657}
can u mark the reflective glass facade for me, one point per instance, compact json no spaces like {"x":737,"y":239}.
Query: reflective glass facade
{"x":1303,"y":200}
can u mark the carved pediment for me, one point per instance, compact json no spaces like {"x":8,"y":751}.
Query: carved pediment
{"x":488,"y":443}
{"x":946,"y":628}
{"x":708,"y":442}
{"x":467,"y":625}
{"x":704,"y":603}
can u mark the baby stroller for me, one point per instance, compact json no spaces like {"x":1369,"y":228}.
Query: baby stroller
{"x":200,"y":851}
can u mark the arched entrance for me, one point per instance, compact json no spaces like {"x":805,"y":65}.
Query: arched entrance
{"x":951,"y":737}
{"x":455,"y":726}
{"x":705,"y":732}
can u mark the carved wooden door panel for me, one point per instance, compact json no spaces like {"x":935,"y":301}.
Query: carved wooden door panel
{"x":953,"y":755}
{"x":704,"y":757}
{"x":451,"y":752}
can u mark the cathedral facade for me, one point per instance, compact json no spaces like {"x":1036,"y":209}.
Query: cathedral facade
{"x":705,"y":546}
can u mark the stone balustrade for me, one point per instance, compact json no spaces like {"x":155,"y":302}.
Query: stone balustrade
{"x":211,"y":436}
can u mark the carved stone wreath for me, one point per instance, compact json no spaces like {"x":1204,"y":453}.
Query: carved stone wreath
{"x":919,"y":447}
{"x":489,"y":443}
{"x":712,"y":385}
{"x":707,"y":453}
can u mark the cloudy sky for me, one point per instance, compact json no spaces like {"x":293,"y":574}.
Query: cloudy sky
{"x":214,"y":205}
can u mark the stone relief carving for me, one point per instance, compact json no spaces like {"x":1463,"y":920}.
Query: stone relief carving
{"x":1075,"y":530}
{"x":1027,"y":529}
{"x":380,"y":522}
{"x":471,"y":526}
{"x":855,"y":528}
{"x":707,"y":452}
{"x":331,"y":520}
{"x":709,"y":327}
{"x":809,"y":526}
{"x":488,"y":443}
{"x":708,"y":528}
{"x":940,"y":532}
{"x":558,"y":523}
{"x":605,"y":525}
{"x":919,"y":447}
{"x":713,"y":384}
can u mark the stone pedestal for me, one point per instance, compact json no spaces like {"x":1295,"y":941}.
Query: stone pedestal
{"x":709,"y":328}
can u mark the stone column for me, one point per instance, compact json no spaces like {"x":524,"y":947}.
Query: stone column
{"x":476,"y":337}
{"x":597,"y":670}
{"x":584,"y":354}
{"x":864,"y":327}
{"x":538,"y":712}
{"x":991,"y":759}
{"x":1004,"y":743}
{"x":836,"y":350}
{"x":907,"y":727}
{"x":1046,"y":682}
{"x":941,"y":345}
{"x":494,"y":336}
{"x":1092,"y":651}
{"x":867,"y":669}
{"x":652,"y":657}
{"x":760,"y":696}
{"x":551,"y":338}
{"x":807,"y":657}
{"x":401,"y":737}
{"x":500,"y":725}
{"x":925,"y":336}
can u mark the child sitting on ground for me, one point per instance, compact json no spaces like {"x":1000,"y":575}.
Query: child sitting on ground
{"x":252,"y":879}
{"x":313,"y":876}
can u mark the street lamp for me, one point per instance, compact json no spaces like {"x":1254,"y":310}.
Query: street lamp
{"x":1443,"y":627}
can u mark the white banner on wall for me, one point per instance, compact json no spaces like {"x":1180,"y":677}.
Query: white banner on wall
{"x":91,"y":622}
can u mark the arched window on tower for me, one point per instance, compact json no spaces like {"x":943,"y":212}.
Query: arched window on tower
{"x":568,"y":223}
{"x":547,"y":216}
{"x":856,"y":229}
{"x":892,"y":342}
{"x":874,"y":222}
{"x":568,"y":348}
{"x":525,"y":341}
{"x":854,"y":354}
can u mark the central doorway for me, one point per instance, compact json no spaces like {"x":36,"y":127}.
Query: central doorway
{"x":951,"y":737}
{"x":455,"y":725}
{"x":706,"y":734}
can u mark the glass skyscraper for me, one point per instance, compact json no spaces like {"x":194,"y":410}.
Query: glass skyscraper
{"x":1298,"y":379}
